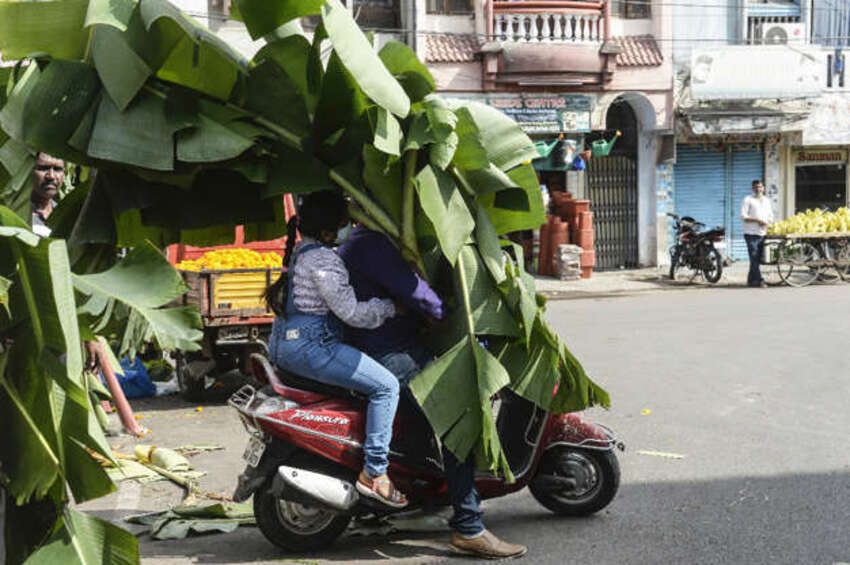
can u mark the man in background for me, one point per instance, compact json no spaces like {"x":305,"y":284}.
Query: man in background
{"x":48,"y":175}
{"x":757,"y":213}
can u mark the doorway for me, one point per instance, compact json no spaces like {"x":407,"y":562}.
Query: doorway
{"x":612,"y":187}
{"x":820,"y":186}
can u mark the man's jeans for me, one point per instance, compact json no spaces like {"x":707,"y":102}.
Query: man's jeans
{"x":461,"y":476}
{"x":755,"y":247}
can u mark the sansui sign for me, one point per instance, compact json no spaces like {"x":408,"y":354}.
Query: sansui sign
{"x":825,"y":156}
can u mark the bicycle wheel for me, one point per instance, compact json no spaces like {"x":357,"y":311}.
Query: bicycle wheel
{"x":840,"y":253}
{"x":770,"y":261}
{"x":793,"y":265}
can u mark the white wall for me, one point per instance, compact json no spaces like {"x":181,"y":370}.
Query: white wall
{"x":697,"y":22}
{"x":452,"y":77}
{"x":620,"y":26}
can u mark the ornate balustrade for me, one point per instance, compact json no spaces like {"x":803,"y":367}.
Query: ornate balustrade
{"x":548,"y":21}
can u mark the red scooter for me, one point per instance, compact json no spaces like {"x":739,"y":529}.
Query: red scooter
{"x":304,"y":455}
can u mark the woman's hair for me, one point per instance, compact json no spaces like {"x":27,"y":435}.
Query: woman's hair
{"x":324,"y":210}
{"x":318,"y":211}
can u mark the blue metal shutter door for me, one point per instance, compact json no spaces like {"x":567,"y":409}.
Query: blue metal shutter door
{"x":699,"y":178}
{"x":747,"y":166}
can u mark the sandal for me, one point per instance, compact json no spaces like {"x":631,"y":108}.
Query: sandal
{"x":395,"y":499}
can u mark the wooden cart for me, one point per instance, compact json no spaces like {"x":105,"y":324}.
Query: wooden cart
{"x":802,"y":258}
{"x":236,"y":323}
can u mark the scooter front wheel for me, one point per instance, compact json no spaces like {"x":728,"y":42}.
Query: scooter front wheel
{"x":576,"y":482}
{"x":294,"y":526}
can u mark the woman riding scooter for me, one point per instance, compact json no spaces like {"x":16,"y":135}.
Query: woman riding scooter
{"x":306,"y":334}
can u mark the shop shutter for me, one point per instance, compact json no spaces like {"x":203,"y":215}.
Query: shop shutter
{"x":700,"y":184}
{"x":747,"y":165}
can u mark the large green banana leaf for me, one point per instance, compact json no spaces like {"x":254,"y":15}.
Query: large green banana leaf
{"x":49,"y":423}
{"x":130,"y":296}
{"x":190,"y":139}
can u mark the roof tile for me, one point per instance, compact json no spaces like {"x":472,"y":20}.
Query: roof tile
{"x":638,"y":51}
{"x":455,"y":48}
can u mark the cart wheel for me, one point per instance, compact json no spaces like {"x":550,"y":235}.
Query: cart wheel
{"x":839,"y":251}
{"x":793,"y":268}
{"x":770,"y":263}
{"x":191,"y":387}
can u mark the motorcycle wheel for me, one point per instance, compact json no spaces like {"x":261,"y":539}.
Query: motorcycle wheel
{"x":713,"y":267}
{"x":294,"y":526}
{"x":597,"y":477}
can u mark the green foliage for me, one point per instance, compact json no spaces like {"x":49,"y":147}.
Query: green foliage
{"x":49,"y":420}
{"x":189,"y":139}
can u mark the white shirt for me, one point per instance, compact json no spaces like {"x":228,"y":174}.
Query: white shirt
{"x":756,"y":207}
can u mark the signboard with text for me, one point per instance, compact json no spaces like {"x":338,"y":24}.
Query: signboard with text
{"x":542,"y":113}
{"x":819,"y":157}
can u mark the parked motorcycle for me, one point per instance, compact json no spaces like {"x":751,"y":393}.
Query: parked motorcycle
{"x":304,"y":455}
{"x":696,"y":249}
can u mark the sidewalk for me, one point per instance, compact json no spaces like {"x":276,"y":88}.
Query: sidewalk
{"x":626,"y":282}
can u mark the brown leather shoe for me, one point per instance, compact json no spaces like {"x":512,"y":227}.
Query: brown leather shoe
{"x":487,"y":546}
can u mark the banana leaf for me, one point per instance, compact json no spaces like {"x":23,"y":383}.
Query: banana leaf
{"x":358,"y":56}
{"x":189,"y":140}
{"x":262,"y":17}
{"x":121,"y":70}
{"x":411,"y":73}
{"x":115,"y":13}
{"x":135,"y":290}
{"x":55,"y":27}
{"x":83,"y":539}
{"x":293,"y":55}
{"x":444,"y":205}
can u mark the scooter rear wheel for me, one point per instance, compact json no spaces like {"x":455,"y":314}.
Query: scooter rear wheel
{"x":294,"y":526}
{"x":595,"y":476}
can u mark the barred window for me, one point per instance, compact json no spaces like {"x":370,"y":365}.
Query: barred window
{"x":631,"y":9}
{"x":449,"y":6}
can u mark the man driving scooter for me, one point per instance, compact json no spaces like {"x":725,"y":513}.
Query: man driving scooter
{"x":377,"y":270}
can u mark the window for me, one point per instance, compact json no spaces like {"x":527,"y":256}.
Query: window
{"x":631,"y":9}
{"x":449,"y":7}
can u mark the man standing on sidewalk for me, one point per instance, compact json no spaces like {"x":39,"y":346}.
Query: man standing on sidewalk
{"x":757,"y":213}
{"x":377,"y":270}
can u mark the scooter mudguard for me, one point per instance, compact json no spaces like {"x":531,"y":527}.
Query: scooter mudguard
{"x":574,"y":431}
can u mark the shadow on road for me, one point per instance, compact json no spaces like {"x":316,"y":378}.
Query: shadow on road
{"x":754,"y":520}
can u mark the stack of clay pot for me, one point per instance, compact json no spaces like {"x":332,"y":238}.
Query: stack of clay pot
{"x":553,"y":233}
{"x":572,"y":222}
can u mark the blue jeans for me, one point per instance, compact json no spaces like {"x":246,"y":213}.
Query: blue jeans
{"x":755,"y":247}
{"x":310,"y":346}
{"x":465,"y":499}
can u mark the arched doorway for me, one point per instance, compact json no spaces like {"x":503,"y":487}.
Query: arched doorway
{"x":612,"y":187}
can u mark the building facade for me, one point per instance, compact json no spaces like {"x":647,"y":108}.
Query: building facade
{"x":571,"y":72}
{"x":575,"y":71}
{"x":760,"y":94}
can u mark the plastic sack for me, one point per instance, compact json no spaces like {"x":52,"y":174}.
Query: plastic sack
{"x":135,"y":382}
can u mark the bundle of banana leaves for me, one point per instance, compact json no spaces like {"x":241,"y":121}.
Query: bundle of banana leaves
{"x":188,"y":139}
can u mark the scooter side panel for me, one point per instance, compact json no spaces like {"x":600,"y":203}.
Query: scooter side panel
{"x":333,"y":428}
{"x":572,"y":428}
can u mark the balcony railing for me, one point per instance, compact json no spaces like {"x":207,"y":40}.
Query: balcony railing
{"x":548,"y":21}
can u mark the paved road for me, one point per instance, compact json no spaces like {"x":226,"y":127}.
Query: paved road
{"x":751,"y":386}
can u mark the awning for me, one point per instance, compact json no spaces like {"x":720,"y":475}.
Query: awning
{"x":749,"y":72}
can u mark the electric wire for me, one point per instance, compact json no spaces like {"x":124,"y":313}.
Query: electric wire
{"x":496,"y":37}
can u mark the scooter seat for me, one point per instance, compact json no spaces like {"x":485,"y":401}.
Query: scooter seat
{"x":303,"y":383}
